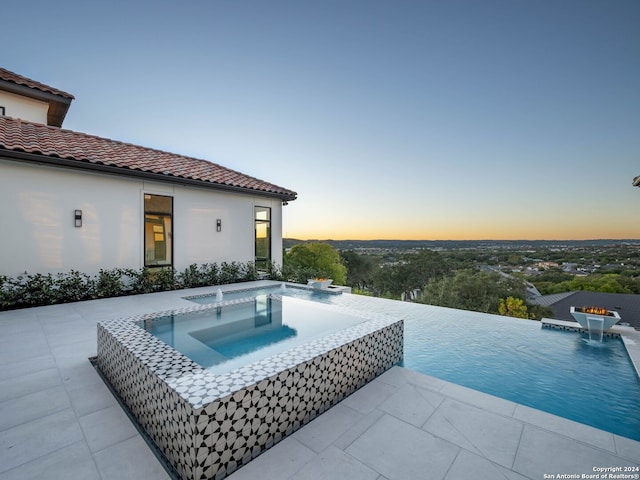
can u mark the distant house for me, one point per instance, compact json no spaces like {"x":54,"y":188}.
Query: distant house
{"x":627,"y":305}
{"x":546,"y":265}
{"x":70,"y":200}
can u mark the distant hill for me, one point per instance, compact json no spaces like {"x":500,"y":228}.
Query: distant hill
{"x":460,"y":244}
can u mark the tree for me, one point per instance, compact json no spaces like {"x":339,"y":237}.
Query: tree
{"x":514,"y":260}
{"x":607,"y":283}
{"x":513,"y":307}
{"x":469,"y":290}
{"x":314,"y":259}
{"x":359,"y":269}
{"x":412,"y":272}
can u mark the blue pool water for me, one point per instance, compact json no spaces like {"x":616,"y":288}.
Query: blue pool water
{"x":295,"y":292}
{"x":231,"y":336}
{"x":559,"y":372}
{"x":556,"y":371}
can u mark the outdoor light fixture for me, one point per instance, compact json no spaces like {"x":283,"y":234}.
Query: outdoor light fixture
{"x":218,"y":225}
{"x":78,"y":218}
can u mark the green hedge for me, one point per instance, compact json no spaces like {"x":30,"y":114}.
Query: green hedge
{"x":38,"y":289}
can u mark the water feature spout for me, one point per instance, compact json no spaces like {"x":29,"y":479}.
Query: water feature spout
{"x":595,"y":326}
{"x":218,"y":295}
{"x":283,"y":287}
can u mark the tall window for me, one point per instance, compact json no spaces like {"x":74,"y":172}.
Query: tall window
{"x":158,"y":223}
{"x":263,"y":237}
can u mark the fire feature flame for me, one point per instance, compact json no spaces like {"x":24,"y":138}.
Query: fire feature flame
{"x":595,"y":310}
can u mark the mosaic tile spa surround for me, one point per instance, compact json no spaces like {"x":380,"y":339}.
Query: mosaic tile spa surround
{"x":209,"y":425}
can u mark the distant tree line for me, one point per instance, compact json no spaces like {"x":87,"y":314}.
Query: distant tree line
{"x":429,"y":277}
{"x":449,"y":279}
{"x":554,"y":280}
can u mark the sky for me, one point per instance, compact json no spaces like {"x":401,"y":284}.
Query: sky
{"x":398,"y":119}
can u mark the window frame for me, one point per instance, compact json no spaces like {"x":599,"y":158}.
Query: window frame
{"x":169,"y":234}
{"x":258,"y":261}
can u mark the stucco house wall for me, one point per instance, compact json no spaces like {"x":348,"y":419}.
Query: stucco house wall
{"x":196,"y":239}
{"x":39,"y":236}
{"x":18,"y":106}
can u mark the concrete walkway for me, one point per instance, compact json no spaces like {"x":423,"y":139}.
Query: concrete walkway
{"x":59,"y":421}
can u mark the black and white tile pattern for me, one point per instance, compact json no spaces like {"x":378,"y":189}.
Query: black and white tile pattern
{"x":576,"y":328}
{"x":208,"y":425}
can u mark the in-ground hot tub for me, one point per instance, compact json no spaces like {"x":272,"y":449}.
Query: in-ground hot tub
{"x":208,"y":423}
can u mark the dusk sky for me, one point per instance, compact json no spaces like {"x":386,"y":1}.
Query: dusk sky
{"x":391,"y":119}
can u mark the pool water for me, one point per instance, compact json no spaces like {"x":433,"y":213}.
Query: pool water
{"x":557,"y":371}
{"x":227,"y":337}
{"x":295,"y":292}
{"x":560,"y":372}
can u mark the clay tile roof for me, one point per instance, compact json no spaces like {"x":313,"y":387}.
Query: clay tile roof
{"x":49,"y":143}
{"x":27,"y":82}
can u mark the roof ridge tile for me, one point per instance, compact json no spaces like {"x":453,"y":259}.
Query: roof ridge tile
{"x":13,"y":77}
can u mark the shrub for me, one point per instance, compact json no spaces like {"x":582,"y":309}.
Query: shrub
{"x":191,"y":277}
{"x":360,"y":291}
{"x":249,"y":272}
{"x":10,"y":290}
{"x":109,"y":283}
{"x":141,"y":281}
{"x":229,"y":272}
{"x":274,"y":272}
{"x":38,"y":289}
{"x":164,"y":279}
{"x":74,"y":286}
{"x":210,"y":274}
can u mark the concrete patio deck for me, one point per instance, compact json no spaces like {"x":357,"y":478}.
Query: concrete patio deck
{"x":58,"y":420}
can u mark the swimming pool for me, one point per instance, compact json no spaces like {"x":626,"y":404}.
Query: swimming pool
{"x":559,"y":372}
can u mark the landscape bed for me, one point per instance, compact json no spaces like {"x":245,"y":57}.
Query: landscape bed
{"x":206,"y":424}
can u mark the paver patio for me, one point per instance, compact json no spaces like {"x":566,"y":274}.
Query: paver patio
{"x":58,"y":420}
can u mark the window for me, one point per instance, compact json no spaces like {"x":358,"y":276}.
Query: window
{"x":263,"y":237}
{"x":158,"y":222}
{"x":1,"y":111}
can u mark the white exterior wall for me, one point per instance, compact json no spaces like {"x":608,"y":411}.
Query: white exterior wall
{"x":195,"y":214}
{"x":38,"y":233}
{"x":18,"y":106}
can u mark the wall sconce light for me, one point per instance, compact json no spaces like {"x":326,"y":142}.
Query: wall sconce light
{"x":218,"y":225}
{"x":78,"y":218}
